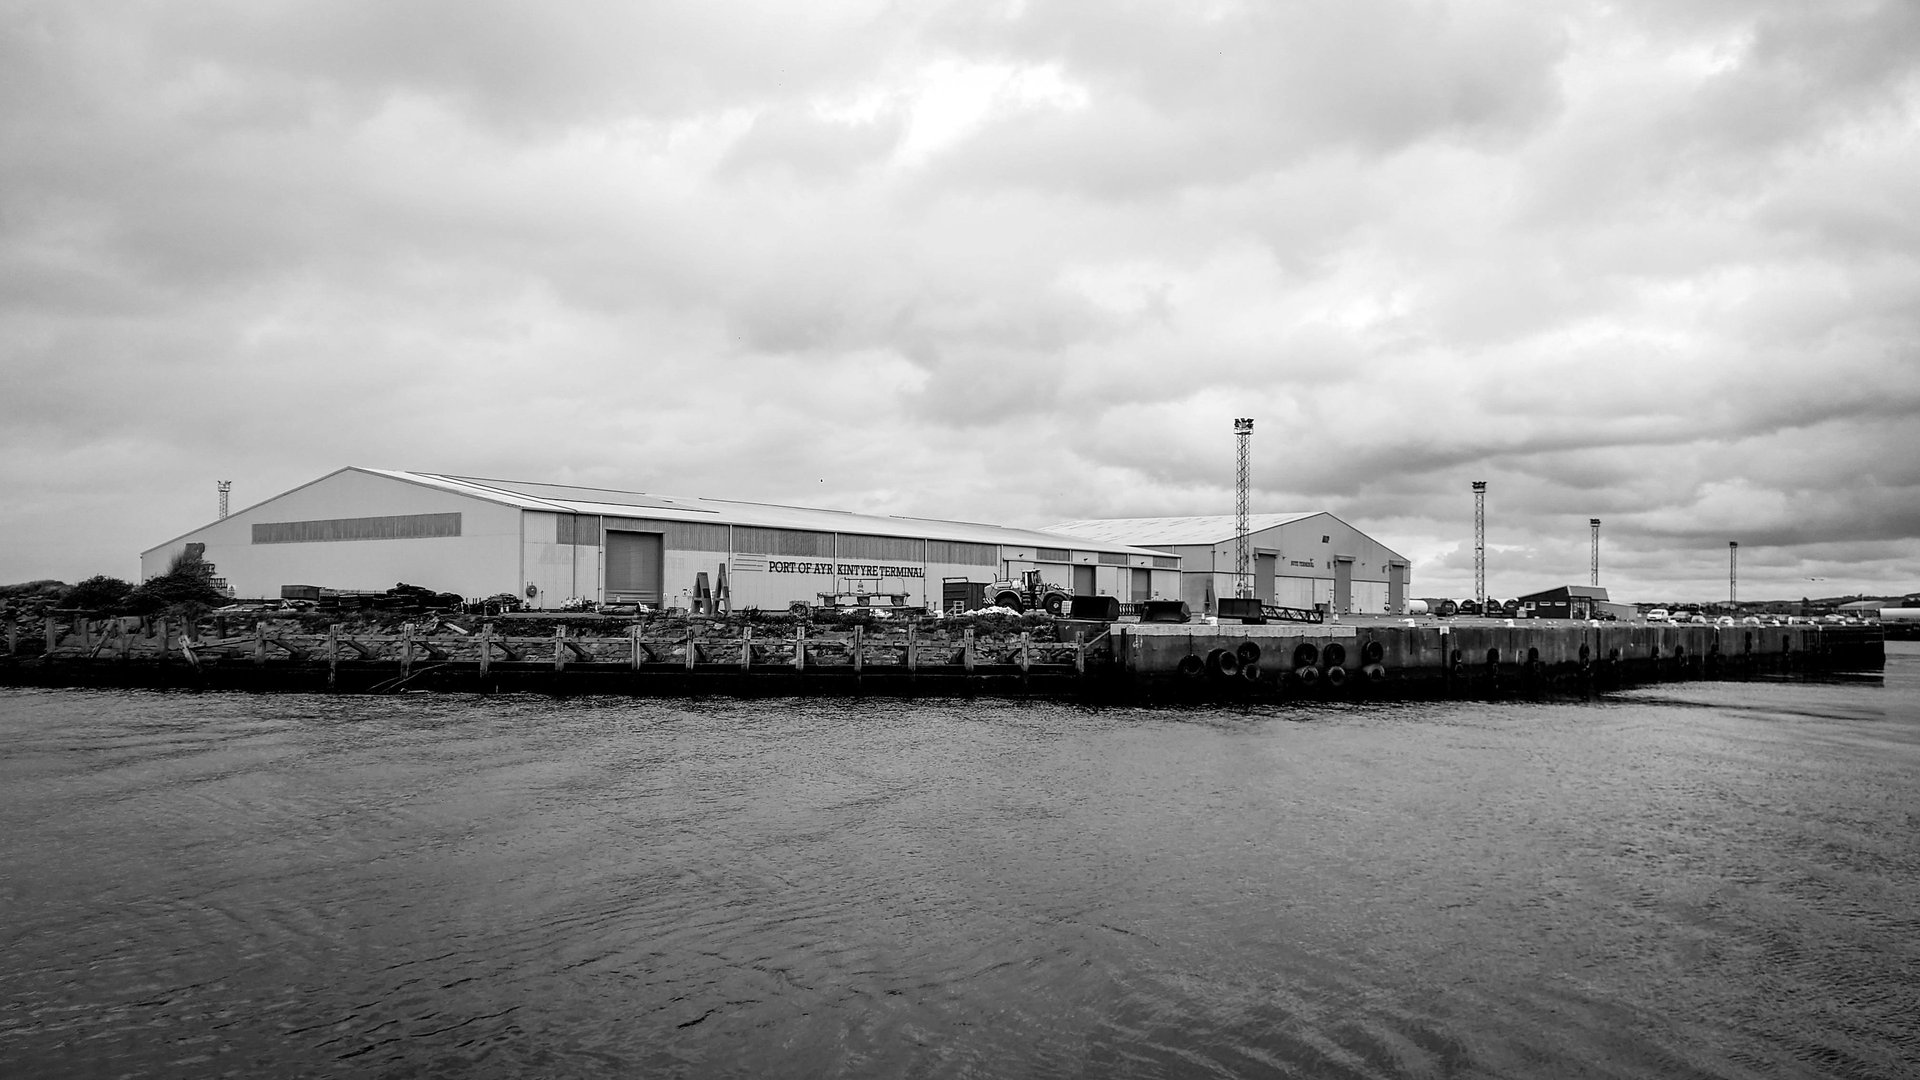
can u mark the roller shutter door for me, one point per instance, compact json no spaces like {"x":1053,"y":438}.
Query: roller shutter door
{"x":633,"y":567}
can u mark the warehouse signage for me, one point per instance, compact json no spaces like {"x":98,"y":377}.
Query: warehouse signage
{"x":782,"y":566}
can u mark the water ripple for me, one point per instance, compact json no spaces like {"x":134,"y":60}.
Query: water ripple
{"x":1715,"y":880}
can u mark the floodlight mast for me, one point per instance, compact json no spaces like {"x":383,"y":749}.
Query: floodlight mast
{"x":1595,"y":522}
{"x":1733,"y":572}
{"x":1243,"y":486}
{"x":225,"y":486}
{"x":1480,"y":543}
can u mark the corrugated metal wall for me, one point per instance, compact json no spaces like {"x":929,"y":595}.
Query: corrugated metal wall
{"x":888,"y":549}
{"x":760,"y":541}
{"x":953,"y":551}
{"x":388,"y":527}
{"x":680,"y":535}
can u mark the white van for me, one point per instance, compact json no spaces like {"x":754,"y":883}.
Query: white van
{"x":1658,"y":614}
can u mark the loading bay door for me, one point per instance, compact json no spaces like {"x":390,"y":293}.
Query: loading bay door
{"x":633,"y":567}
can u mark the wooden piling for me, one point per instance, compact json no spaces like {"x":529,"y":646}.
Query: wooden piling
{"x":966,"y":660}
{"x":799,"y":648}
{"x":333,"y":655}
{"x":406,"y":649}
{"x":859,"y":641}
{"x":913,"y":648}
{"x":259,"y":643}
{"x":746,"y":648}
{"x":560,"y":648}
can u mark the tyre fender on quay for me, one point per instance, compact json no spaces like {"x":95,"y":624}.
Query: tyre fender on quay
{"x":1223,"y":663}
{"x":1334,"y":659}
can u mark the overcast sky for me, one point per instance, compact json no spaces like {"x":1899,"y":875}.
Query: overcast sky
{"x":1654,"y":261}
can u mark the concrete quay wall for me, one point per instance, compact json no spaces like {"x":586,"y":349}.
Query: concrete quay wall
{"x":1443,"y":659}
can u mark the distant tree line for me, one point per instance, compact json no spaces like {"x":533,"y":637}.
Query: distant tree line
{"x":186,"y":588}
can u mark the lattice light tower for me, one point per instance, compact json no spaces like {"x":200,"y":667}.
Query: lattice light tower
{"x":1595,"y":522}
{"x":1243,"y":487}
{"x":1733,"y":571}
{"x":1480,"y":543}
{"x":225,"y":487}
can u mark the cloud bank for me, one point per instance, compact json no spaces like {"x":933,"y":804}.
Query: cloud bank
{"x":1653,"y":262}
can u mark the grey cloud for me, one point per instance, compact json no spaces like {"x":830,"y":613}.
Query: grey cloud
{"x":812,"y":148}
{"x":1176,"y":100}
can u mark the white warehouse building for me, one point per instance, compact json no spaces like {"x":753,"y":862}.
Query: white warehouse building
{"x":369,"y":529}
{"x":1301,"y":560}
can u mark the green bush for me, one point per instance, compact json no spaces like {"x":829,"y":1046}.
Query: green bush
{"x":186,"y":589}
{"x":99,"y":593}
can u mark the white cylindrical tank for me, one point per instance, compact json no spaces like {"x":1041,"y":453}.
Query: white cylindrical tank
{"x":1419,"y":607}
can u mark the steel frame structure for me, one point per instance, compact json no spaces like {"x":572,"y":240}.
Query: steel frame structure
{"x":1243,"y":486}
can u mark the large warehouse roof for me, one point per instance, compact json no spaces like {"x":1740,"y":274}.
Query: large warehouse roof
{"x":1217,"y":529}
{"x":562,"y":498}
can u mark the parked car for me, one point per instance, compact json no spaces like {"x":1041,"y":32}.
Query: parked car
{"x":1658,"y":614}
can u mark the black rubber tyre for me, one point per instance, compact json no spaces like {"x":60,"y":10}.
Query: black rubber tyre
{"x":1306,"y":655}
{"x":1223,"y":663}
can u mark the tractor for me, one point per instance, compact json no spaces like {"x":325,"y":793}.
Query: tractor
{"x":1028,"y":593}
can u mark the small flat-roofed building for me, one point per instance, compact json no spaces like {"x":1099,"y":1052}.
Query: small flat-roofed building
{"x":1303,"y":560}
{"x":369,"y":529}
{"x":1565,"y":602}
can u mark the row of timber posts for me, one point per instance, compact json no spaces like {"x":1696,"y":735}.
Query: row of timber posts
{"x":121,"y":638}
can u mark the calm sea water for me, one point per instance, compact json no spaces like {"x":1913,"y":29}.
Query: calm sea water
{"x":1700,"y":880}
